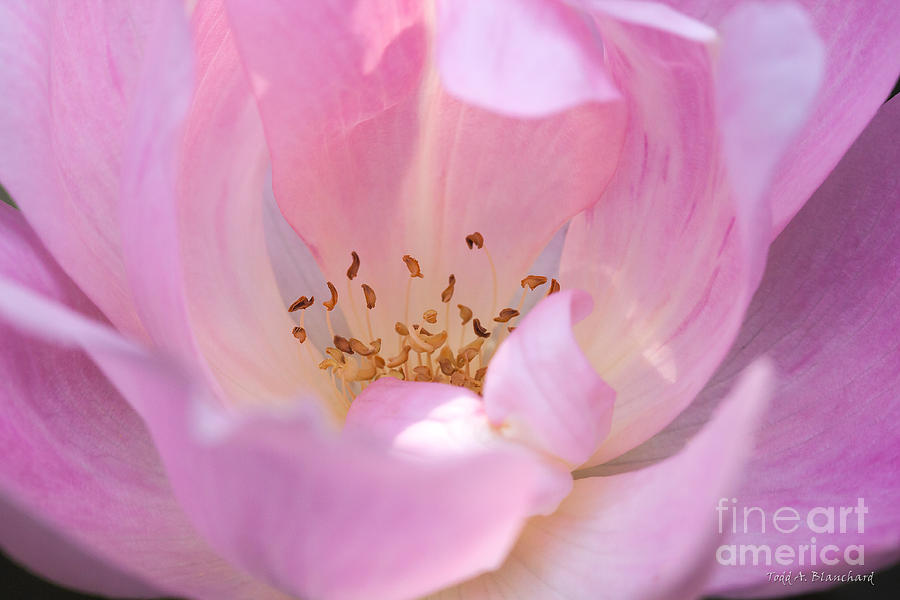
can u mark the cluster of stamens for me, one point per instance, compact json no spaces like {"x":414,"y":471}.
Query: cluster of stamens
{"x":422,"y":355}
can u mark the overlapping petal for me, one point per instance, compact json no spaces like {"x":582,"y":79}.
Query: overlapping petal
{"x":540,"y":389}
{"x":69,"y":75}
{"x":641,"y":535}
{"x":674,"y":250}
{"x":862,"y":55}
{"x":196,"y":168}
{"x":826,"y":313}
{"x":426,"y":168}
{"x":78,"y":461}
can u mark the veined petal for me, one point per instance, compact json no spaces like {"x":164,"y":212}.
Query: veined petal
{"x":826,"y":313}
{"x":674,"y":250}
{"x":617,"y":536}
{"x":427,"y":168}
{"x":78,"y":463}
{"x":542,"y":390}
{"x":521,"y":58}
{"x":285,"y":498}
{"x":862,"y":55}
{"x":196,"y":169}
{"x":69,"y":76}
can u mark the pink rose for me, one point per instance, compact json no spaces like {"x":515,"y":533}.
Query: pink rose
{"x":541,"y":347}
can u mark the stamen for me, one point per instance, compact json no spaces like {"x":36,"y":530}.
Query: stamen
{"x":533,"y":281}
{"x":300,"y":334}
{"x":343,"y":344}
{"x":330,"y":304}
{"x":477,"y":240}
{"x":465,"y":313}
{"x":506,"y":314}
{"x":430,"y":316}
{"x":554,"y":287}
{"x":400,"y":328}
{"x":400,"y":359}
{"x":301,"y":303}
{"x":447,"y":294}
{"x":413,"y":266}
{"x":353,"y":270}
{"x":479,"y":330}
{"x":370,"y":295}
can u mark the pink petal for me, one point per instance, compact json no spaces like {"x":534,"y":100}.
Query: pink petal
{"x":616,"y":536}
{"x":427,"y":420}
{"x":69,"y":75}
{"x":196,"y":169}
{"x":862,"y":55}
{"x":280,"y":495}
{"x":541,"y":389}
{"x":78,"y":465}
{"x":827,"y":314}
{"x":427,"y":169}
{"x":673,"y":251}
{"x":523,"y":58}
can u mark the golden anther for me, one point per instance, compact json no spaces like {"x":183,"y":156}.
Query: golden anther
{"x":334,"y":297}
{"x":421,"y":330}
{"x":430,"y":316}
{"x":359,"y":372}
{"x":328,"y":362}
{"x":301,"y":303}
{"x":437,"y":340}
{"x":479,"y":330}
{"x":423,"y":370}
{"x":458,"y":378}
{"x":448,"y":291}
{"x":354,"y":265}
{"x":342,"y":344}
{"x":466,"y":356}
{"x":379,"y":362}
{"x":300,"y":334}
{"x":511,"y":328}
{"x":465,"y":313}
{"x":554,"y":287}
{"x":534,"y":281}
{"x":506,"y":314}
{"x":336,"y":354}
{"x":369,"y":294}
{"x":398,"y":360}
{"x":479,"y":374}
{"x":475,"y":239}
{"x":360,"y":348}
{"x":413,"y":266}
{"x":401,"y":328}
{"x":447,"y":367}
{"x":418,"y":343}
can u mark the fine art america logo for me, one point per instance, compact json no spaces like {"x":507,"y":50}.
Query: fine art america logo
{"x":821,"y":520}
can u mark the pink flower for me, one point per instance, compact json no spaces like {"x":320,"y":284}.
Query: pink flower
{"x":183,"y":176}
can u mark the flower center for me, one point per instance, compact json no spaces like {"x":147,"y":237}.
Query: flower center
{"x":423,"y":350}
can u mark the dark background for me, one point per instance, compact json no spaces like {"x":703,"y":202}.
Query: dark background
{"x":18,"y":584}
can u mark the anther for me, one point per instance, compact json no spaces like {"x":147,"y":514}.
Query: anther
{"x":446,"y":366}
{"x":533,"y":281}
{"x":554,"y":287}
{"x":479,"y":330}
{"x":413,"y":266}
{"x":400,"y":328}
{"x":354,"y":266}
{"x":342,"y":344}
{"x":398,"y":360}
{"x":437,"y":339}
{"x":370,"y":295}
{"x":465,"y":313}
{"x":330,"y":304}
{"x":430,"y":316}
{"x":335,"y":354}
{"x":475,"y":240}
{"x":300,"y":334}
{"x":360,"y":348}
{"x":479,"y":374}
{"x":301,"y":303}
{"x":447,"y":294}
{"x":458,"y":379}
{"x":506,"y":314}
